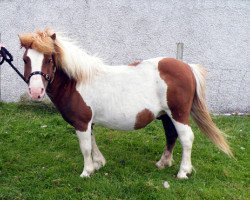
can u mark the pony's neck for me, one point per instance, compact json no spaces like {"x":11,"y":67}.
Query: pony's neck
{"x":61,"y":83}
{"x":62,"y":92}
{"x":76,"y":63}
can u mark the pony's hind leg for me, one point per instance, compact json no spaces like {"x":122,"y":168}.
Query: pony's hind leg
{"x":98,"y":158}
{"x":186,"y":137}
{"x":171,"y":136}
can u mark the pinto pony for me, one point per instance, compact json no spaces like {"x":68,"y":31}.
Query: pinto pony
{"x":128,"y":97}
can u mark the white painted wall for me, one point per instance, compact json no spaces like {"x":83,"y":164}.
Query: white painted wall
{"x":215,"y":33}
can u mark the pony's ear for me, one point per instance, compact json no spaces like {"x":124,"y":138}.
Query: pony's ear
{"x":51,"y":33}
{"x":53,"y":36}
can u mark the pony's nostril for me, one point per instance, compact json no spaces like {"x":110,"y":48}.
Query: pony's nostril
{"x":29,"y":90}
{"x":42,"y":90}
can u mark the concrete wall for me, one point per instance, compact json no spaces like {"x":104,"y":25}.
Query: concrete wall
{"x":215,"y":33}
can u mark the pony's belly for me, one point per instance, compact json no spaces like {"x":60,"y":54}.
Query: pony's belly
{"x":126,"y":119}
{"x":112,"y":121}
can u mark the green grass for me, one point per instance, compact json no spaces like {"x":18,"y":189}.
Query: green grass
{"x":40,"y":159}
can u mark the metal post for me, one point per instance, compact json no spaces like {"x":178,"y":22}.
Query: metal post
{"x":179,"y":53}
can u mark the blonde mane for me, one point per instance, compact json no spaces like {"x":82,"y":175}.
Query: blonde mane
{"x":73,"y":60}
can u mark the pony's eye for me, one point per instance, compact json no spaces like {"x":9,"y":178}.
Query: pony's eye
{"x":50,"y":60}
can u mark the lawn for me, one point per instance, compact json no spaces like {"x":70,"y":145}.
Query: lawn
{"x":40,"y":159}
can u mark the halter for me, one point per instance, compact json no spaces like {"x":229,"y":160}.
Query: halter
{"x":6,"y":56}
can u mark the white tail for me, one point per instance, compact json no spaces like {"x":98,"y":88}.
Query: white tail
{"x":201,"y":114}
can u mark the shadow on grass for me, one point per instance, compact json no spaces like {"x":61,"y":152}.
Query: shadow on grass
{"x":37,"y":107}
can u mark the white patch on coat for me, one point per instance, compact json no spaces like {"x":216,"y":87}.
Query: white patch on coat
{"x":36,"y":59}
{"x":118,"y":94}
{"x":86,"y":149}
{"x":186,"y":137}
{"x":98,"y":158}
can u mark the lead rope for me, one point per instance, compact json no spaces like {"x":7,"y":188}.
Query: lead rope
{"x":6,"y":56}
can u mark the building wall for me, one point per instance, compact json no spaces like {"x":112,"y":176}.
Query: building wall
{"x":215,"y":34}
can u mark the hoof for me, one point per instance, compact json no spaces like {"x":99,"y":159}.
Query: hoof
{"x":161,"y":165}
{"x":87,"y":173}
{"x":182,"y":174}
{"x":99,"y":164}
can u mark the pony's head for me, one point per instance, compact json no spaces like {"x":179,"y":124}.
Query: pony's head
{"x":40,"y":56}
{"x":45,"y":51}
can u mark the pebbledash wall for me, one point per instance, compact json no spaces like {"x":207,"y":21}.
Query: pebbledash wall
{"x":215,"y":33}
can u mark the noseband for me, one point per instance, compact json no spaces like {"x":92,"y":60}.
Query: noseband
{"x":46,"y":76}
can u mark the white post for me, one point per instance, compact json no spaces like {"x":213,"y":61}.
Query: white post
{"x":179,"y":52}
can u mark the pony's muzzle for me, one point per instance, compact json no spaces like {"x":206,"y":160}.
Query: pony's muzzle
{"x":36,"y":93}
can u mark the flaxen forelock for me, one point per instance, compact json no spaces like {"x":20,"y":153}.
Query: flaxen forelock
{"x":39,"y":40}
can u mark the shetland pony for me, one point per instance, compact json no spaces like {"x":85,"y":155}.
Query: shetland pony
{"x":128,"y":97}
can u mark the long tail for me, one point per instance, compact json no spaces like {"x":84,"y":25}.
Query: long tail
{"x":201,"y":114}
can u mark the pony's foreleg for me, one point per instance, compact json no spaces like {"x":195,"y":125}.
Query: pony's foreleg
{"x":86,"y":148}
{"x":98,"y":158}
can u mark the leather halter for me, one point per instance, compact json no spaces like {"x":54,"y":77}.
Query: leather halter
{"x":47,"y":77}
